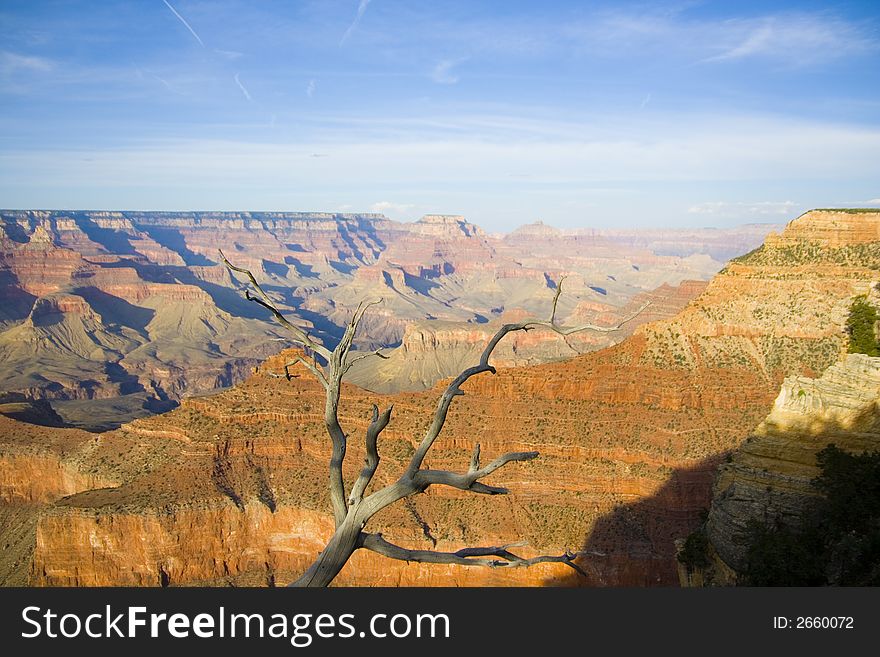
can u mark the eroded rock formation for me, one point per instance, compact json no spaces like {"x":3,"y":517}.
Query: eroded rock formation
{"x":134,"y":309}
{"x":629,"y":438}
{"x":768,"y":478}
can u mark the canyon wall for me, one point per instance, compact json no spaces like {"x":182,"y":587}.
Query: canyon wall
{"x":133,"y":310}
{"x":768,"y":478}
{"x":231,"y":487}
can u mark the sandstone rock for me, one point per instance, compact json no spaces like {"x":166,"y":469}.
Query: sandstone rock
{"x":769,"y":476}
{"x":122,"y":279}
{"x":630,"y":437}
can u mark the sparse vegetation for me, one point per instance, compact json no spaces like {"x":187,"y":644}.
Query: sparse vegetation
{"x":865,"y":254}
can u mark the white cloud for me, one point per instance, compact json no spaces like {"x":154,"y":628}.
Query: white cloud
{"x":691,"y":154}
{"x":743,"y":208}
{"x":442,"y":72}
{"x":11,"y":62}
{"x":241,"y":86}
{"x":756,"y":42}
{"x":310,"y":88}
{"x":799,"y":39}
{"x":791,"y":38}
{"x":395,"y":210}
{"x":228,"y":54}
{"x":361,"y":10}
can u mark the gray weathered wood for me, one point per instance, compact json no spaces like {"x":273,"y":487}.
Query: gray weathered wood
{"x":352,"y":515}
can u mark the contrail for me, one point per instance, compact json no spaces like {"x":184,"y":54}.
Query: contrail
{"x":362,"y":8}
{"x":241,"y":86}
{"x":183,"y":20}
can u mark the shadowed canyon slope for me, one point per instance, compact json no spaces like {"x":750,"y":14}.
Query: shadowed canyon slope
{"x":768,"y":478}
{"x":230,"y":487}
{"x":117,"y":314}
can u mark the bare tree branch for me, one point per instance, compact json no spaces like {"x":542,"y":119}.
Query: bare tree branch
{"x":344,"y":346}
{"x":556,"y":300}
{"x":351,"y":516}
{"x":267,"y":303}
{"x":454,"y":388}
{"x":330,"y":378}
{"x":466,"y":557}
{"x":309,"y":366}
{"x":352,"y":361}
{"x":371,"y":461}
{"x":475,"y":459}
{"x":336,"y":370}
{"x":470,"y":479}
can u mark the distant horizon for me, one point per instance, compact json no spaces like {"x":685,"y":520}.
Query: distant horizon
{"x":469,"y":220}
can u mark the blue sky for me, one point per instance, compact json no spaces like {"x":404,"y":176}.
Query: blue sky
{"x":576,"y":113}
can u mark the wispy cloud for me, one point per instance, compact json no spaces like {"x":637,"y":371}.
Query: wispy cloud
{"x":11,"y":62}
{"x":741,"y":208}
{"x":758,"y":41}
{"x":163,"y":82}
{"x":645,"y":101}
{"x":792,"y":38}
{"x":228,"y":54}
{"x":689,"y":151}
{"x":361,"y":10}
{"x":442,"y":72}
{"x":310,"y":88}
{"x":396,"y":210}
{"x":241,"y":86}
{"x":183,"y":20}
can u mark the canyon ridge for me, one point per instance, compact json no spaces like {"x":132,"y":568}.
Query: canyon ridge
{"x":108,"y":316}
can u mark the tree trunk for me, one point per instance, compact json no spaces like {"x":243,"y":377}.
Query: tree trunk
{"x":333,"y":557}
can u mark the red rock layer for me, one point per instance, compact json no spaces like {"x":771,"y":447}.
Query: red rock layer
{"x":629,"y":438}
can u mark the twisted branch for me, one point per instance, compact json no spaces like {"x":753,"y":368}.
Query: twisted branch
{"x":309,"y":366}
{"x":470,"y":480}
{"x":352,"y":517}
{"x":371,"y":461}
{"x":352,"y":361}
{"x":330,"y":378}
{"x":267,"y":303}
{"x":466,"y":557}
{"x":454,"y":388}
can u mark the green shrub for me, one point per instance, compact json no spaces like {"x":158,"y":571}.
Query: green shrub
{"x":695,"y":551}
{"x":837,"y":541}
{"x":860,"y":327}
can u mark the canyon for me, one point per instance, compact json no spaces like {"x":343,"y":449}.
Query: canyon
{"x":111,"y":316}
{"x":230,"y":487}
{"x":769,"y":477}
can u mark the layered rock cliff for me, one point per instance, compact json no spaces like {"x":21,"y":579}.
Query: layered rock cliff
{"x":230,"y":487}
{"x":136,"y":307}
{"x":431,"y":351}
{"x":768,"y":478}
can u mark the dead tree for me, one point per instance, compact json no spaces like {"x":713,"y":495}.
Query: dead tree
{"x":353,"y":511}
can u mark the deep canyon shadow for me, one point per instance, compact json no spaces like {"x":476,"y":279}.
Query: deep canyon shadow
{"x":634,"y":544}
